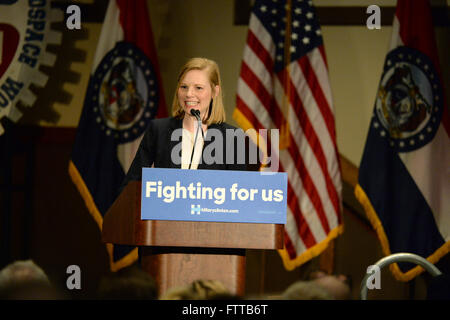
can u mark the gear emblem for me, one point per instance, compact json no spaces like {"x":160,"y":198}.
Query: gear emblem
{"x":25,"y":32}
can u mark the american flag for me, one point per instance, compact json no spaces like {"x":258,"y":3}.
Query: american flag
{"x":284,"y":84}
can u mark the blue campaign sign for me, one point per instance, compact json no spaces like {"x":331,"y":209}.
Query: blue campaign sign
{"x":213,"y":195}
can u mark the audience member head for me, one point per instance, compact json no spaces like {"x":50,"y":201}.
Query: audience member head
{"x":131,"y":283}
{"x":199,"y":290}
{"x":337,"y":285}
{"x":24,"y":280}
{"x":306,"y":290}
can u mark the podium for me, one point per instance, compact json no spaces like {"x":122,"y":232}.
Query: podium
{"x":175,"y":253}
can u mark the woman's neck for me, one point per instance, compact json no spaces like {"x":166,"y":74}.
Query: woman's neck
{"x":190,"y":123}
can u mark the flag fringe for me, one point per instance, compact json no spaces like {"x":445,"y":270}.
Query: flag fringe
{"x":242,"y":120}
{"x":312,"y":252}
{"x":245,"y":125}
{"x":126,"y":261}
{"x":377,"y":225}
{"x":85,"y":194}
{"x":90,"y":204}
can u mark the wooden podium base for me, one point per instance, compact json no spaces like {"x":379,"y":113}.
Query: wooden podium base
{"x":177,"y":253}
{"x":178,"y":266}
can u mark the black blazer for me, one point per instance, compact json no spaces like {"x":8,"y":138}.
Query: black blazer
{"x":156,"y":148}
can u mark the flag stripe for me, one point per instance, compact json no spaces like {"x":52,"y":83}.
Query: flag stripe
{"x":325,"y":62}
{"x":436,"y":155}
{"x":248,"y":96}
{"x":303,"y":205}
{"x":260,"y":51}
{"x":292,"y":252}
{"x":313,"y":123}
{"x":254,"y":62}
{"x":256,"y":86}
{"x":258,"y":31}
{"x":310,"y":134}
{"x":303,"y":229}
{"x":248,"y":114}
{"x":308,"y":68}
{"x":111,"y":33}
{"x":446,"y":119}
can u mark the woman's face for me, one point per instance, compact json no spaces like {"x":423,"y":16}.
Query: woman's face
{"x":195,"y":92}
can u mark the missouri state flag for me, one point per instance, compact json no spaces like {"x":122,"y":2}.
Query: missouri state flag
{"x":123,"y":95}
{"x":404,"y":176}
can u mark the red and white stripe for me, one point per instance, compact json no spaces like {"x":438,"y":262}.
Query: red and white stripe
{"x":311,"y":160}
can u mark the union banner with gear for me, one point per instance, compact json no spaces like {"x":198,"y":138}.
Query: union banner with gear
{"x":25,"y":32}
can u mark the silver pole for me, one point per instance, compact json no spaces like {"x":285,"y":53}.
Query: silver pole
{"x":400,"y":257}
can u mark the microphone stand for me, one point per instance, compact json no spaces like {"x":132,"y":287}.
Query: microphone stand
{"x":196,"y":114}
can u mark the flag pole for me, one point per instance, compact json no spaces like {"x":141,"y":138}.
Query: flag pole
{"x":284,"y":130}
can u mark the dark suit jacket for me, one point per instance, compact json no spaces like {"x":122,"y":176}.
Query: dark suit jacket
{"x":156,"y":148}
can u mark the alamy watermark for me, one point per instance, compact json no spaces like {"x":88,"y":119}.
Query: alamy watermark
{"x":374,"y":279}
{"x":374,"y":20}
{"x":74,"y":279}
{"x":74,"y":19}
{"x":236,"y":150}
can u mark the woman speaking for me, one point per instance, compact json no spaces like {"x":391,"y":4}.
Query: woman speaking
{"x":196,"y":136}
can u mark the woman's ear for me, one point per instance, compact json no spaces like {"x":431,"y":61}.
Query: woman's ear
{"x":216,"y":91}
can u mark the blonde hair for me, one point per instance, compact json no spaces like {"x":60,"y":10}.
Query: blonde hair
{"x":212,"y":70}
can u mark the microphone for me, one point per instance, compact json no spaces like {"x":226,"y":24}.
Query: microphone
{"x":196,"y":114}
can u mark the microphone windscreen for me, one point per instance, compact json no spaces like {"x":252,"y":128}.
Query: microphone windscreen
{"x":195,"y":113}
